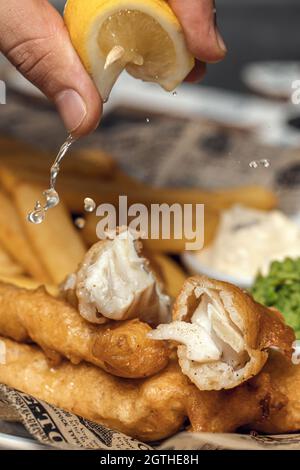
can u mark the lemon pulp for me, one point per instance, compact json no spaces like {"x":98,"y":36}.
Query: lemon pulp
{"x":141,"y":45}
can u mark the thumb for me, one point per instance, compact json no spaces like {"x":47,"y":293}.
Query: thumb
{"x":34,"y":38}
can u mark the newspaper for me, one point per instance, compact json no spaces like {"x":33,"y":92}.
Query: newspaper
{"x":54,"y":427}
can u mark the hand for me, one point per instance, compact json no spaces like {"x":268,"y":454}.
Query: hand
{"x":198,"y":19}
{"x":34,"y":38}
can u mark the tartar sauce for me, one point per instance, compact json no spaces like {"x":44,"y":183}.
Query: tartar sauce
{"x":248,"y":240}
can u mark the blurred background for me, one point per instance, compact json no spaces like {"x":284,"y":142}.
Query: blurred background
{"x":255,"y":30}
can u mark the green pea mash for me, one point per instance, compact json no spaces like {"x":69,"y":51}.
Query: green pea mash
{"x":281,"y":289}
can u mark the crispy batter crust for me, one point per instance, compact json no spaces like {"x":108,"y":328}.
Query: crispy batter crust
{"x":285,"y":377}
{"x":261,"y":326}
{"x":258,"y":327}
{"x":121,"y":348}
{"x":146,"y":409}
{"x":229,"y":410}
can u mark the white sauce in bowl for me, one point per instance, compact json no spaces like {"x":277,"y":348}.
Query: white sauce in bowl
{"x":248,"y":240}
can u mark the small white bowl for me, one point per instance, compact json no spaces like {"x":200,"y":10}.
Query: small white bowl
{"x":194,"y":266}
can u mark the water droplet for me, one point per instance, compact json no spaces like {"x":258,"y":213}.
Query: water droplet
{"x":174,"y":93}
{"x":80,"y":222}
{"x":266,"y":163}
{"x":52,"y":198}
{"x":147,"y":120}
{"x":89,"y":204}
{"x":37,"y":216}
{"x":256,"y":163}
{"x":54,"y":171}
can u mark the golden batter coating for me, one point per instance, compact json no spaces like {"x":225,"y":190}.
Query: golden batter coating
{"x":285,"y":377}
{"x":121,"y":348}
{"x":147,"y":409}
{"x":228,"y":410}
{"x":223,"y":335}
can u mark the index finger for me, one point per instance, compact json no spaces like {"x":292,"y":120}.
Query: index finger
{"x":198,"y":19}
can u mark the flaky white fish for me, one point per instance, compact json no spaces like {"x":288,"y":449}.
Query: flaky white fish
{"x":223,"y":335}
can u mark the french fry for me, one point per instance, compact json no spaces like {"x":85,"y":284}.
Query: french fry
{"x":74,"y":184}
{"x":257,"y":197}
{"x":175,"y":246}
{"x":109,"y":192}
{"x":56,"y":241}
{"x":160,"y":245}
{"x":28,"y":283}
{"x":8,"y":266}
{"x":92,"y":163}
{"x":9,"y":178}
{"x":126,"y":181}
{"x":173,"y":275}
{"x":73,"y":189}
{"x":95,"y":173}
{"x":14,"y":241}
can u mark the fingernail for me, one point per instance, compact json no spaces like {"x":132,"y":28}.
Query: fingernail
{"x":72,"y":109}
{"x":220,"y":41}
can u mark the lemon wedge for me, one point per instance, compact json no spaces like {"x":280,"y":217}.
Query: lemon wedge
{"x":142,"y":36}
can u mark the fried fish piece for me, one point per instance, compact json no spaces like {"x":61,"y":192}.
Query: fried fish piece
{"x":116,"y":282}
{"x":121,"y":348}
{"x":285,"y":377}
{"x":147,"y":409}
{"x":228,"y":410}
{"x":223,"y":334}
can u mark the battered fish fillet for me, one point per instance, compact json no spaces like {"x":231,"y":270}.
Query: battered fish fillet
{"x":223,"y":334}
{"x":285,"y":377}
{"x":228,"y":410}
{"x":116,"y":282}
{"x":146,"y":409}
{"x":121,"y":348}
